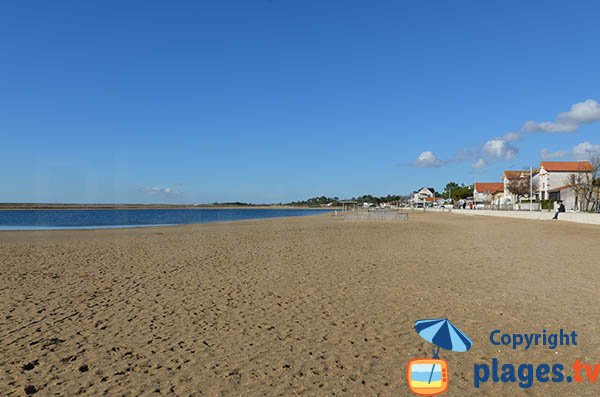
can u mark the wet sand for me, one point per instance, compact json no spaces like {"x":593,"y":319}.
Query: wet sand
{"x":309,"y":306}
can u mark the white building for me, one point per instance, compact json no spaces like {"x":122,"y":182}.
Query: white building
{"x":507,"y":178}
{"x":425,"y":194}
{"x":564,"y":194}
{"x":487,"y":192}
{"x":553,"y":177}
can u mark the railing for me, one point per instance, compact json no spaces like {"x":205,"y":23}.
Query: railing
{"x":375,"y":214}
{"x":523,"y":206}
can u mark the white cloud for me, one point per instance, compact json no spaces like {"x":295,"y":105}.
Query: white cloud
{"x":581,"y":151}
{"x":511,"y":136}
{"x":155,"y":190}
{"x":586,"y":151}
{"x":587,"y":111}
{"x":545,"y":154}
{"x":428,"y":159}
{"x":500,"y":149}
{"x":548,"y":126}
{"x":504,"y":147}
{"x":479,"y":164}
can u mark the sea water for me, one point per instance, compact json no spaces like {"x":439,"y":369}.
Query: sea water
{"x":118,"y":218}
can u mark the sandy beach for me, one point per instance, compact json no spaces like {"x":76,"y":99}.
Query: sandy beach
{"x":296,"y":306}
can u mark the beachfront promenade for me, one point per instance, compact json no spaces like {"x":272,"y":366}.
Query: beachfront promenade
{"x":577,"y":217}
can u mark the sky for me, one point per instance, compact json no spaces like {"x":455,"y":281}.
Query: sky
{"x":273,"y":101}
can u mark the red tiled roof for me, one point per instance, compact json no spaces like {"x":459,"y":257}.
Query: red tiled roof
{"x":567,"y":166}
{"x":515,"y":174}
{"x":489,"y":187}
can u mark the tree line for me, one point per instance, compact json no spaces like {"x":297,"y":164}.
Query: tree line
{"x":456,"y":192}
{"x":365,"y":198}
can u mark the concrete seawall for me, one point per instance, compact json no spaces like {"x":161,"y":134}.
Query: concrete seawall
{"x":577,"y":217}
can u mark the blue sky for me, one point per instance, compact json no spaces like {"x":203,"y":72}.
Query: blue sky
{"x":269,"y":101}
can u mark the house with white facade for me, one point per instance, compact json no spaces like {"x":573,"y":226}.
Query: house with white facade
{"x":423,"y":195}
{"x":566,"y":195}
{"x":552,"y":175}
{"x":551,"y":180}
{"x":507,"y":177}
{"x":488,"y":192}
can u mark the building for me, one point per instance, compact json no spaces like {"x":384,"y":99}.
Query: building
{"x":507,"y":178}
{"x":425,"y":194}
{"x":488,"y":192}
{"x":553,"y":177}
{"x":566,"y":195}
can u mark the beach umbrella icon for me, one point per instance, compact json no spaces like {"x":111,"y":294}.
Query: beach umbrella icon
{"x":442,"y":333}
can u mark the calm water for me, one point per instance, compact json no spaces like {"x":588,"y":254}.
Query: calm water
{"x":94,"y":219}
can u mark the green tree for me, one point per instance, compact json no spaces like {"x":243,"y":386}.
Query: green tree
{"x":450,"y":188}
{"x":462,"y":193}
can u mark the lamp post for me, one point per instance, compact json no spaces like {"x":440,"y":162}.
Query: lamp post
{"x":530,"y":189}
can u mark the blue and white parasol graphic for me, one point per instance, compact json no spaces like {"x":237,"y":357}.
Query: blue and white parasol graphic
{"x":442,"y":333}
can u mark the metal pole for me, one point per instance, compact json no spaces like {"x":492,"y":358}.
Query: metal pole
{"x":530,"y":189}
